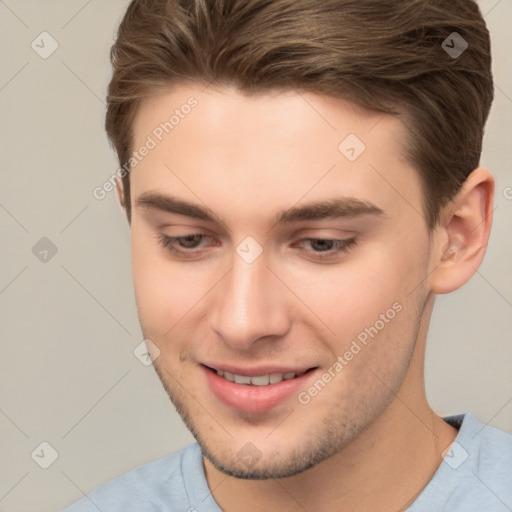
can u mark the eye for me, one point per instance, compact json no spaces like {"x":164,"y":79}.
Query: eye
{"x":185,"y":246}
{"x":325,"y":248}
{"x":194,"y":245}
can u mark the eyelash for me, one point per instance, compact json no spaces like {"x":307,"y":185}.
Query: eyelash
{"x":342,"y":246}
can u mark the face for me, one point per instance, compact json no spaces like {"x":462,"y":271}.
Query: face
{"x":278,"y":273}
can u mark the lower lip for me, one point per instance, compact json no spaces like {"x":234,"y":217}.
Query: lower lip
{"x":254,"y":399}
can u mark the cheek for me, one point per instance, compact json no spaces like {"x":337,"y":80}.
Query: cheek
{"x":367,"y":301}
{"x":348,"y":297}
{"x":168,"y":294}
{"x":158,"y":293}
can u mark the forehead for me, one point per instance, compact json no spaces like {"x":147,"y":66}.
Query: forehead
{"x":279,"y":146}
{"x":234,"y":114}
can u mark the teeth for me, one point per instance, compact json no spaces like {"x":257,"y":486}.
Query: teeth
{"x":258,"y":380}
{"x":242,"y":379}
{"x":275,"y":378}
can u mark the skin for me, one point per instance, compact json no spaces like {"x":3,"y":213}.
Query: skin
{"x":245,"y":158}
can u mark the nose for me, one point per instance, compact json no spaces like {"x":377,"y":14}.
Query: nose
{"x":248,"y":305}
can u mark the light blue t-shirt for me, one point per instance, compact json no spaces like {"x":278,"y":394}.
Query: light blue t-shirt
{"x":475,"y":476}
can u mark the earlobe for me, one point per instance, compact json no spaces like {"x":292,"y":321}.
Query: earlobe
{"x":463,"y":233}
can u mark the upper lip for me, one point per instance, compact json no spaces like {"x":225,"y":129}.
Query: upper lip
{"x":257,"y":370}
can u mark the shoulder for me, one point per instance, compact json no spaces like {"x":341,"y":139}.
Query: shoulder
{"x":151,"y":486}
{"x":488,"y":450}
{"x":476,"y":471}
{"x":493,"y":459}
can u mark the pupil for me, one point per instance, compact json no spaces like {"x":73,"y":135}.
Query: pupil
{"x":189,"y":241}
{"x":322,"y":245}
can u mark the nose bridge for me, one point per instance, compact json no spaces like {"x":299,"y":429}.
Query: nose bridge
{"x":246,"y":307}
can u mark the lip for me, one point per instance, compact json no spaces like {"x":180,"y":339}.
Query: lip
{"x":250,"y":398}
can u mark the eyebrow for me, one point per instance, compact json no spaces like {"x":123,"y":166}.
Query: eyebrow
{"x":332,"y":208}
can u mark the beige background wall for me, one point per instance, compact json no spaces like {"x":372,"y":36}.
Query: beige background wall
{"x":68,"y":376}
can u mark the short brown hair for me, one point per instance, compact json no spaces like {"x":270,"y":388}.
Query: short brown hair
{"x":385,"y":56}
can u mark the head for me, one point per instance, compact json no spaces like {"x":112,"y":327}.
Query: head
{"x":294,"y":216}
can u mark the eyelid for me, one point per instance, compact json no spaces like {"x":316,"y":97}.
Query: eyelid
{"x":169,"y":239}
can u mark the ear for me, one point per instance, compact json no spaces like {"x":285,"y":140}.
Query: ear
{"x":463,"y":233}
{"x":120,"y":193}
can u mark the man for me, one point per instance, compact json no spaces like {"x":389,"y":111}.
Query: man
{"x":301,"y":180}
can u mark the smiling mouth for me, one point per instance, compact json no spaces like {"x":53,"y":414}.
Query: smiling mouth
{"x":258,"y":380}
